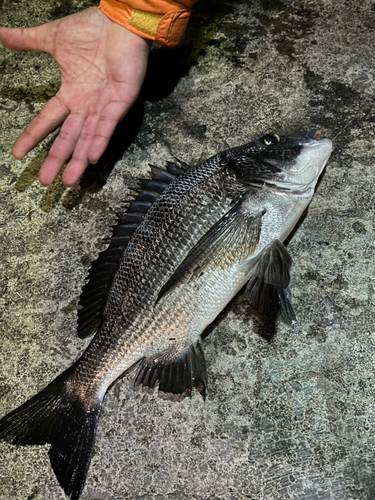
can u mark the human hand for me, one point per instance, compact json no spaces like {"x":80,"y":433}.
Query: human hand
{"x":102,"y":66}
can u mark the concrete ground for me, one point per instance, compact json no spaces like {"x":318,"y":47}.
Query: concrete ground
{"x":290,"y":412}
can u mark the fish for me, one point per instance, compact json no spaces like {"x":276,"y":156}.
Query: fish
{"x":189,"y":241}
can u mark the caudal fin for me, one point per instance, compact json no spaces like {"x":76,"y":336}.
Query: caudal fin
{"x":56,"y":416}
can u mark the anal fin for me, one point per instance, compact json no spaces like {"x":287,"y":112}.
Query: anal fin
{"x":176,"y":374}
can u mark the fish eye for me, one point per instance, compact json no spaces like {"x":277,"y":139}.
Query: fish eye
{"x":271,"y":139}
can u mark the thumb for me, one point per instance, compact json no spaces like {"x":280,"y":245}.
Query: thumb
{"x":26,"y":38}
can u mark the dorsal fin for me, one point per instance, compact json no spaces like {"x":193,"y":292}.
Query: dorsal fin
{"x":95,"y":293}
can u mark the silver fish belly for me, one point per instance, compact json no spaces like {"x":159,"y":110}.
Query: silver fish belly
{"x":188,"y":243}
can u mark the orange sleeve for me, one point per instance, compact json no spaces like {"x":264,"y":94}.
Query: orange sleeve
{"x":161,"y":20}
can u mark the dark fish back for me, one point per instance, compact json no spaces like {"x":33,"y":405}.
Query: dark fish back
{"x":168,"y":199}
{"x":168,"y":231}
{"x":95,"y":293}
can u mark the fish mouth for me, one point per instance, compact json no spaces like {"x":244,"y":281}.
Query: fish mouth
{"x":314,"y":139}
{"x":301,"y":176}
{"x":313,"y":135}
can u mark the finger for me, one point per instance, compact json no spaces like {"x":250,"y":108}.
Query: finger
{"x":79,"y":161}
{"x":73,"y":171}
{"x":111,"y":115}
{"x":62,"y":148}
{"x":49,"y":170}
{"x":27,"y":38}
{"x":68,"y":136}
{"x":49,"y":118}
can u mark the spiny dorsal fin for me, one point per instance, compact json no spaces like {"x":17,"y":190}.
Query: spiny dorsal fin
{"x":95,"y":293}
{"x":177,"y":375}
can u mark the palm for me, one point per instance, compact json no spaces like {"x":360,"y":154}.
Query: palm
{"x":102,"y":68}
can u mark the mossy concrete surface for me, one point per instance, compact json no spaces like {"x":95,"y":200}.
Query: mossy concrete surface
{"x":290,"y":412}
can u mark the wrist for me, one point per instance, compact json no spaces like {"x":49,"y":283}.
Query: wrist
{"x":157,"y":20}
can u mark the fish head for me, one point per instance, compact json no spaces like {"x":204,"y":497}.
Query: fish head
{"x":287,"y":164}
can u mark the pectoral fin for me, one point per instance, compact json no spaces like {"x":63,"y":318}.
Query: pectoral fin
{"x":267,"y":288}
{"x":236,"y":233}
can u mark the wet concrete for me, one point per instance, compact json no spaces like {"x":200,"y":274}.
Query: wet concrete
{"x":291,"y":417}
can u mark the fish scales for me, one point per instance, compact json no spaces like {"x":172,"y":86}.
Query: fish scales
{"x":210,"y":230}
{"x":148,"y":261}
{"x":167,"y":239}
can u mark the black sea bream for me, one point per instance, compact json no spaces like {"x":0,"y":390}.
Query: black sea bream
{"x":188,"y":243}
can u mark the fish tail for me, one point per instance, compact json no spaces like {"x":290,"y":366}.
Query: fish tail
{"x":57,"y":416}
